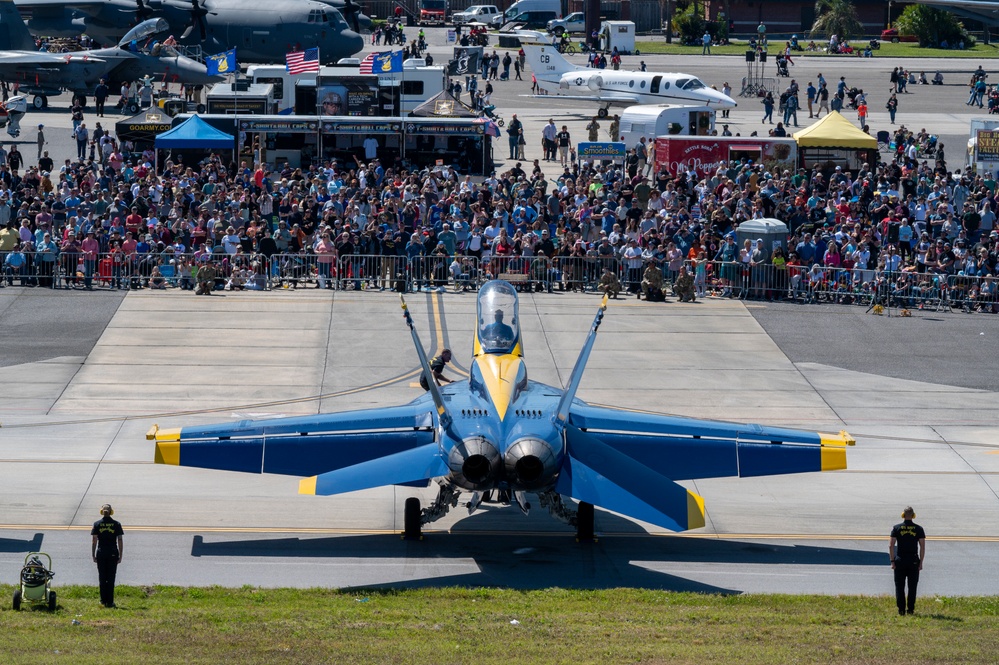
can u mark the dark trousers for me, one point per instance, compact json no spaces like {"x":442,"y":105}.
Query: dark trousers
{"x":99,"y":105}
{"x":107,"y":568}
{"x":906,"y":572}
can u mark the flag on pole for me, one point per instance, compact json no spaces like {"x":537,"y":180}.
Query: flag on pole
{"x":221,"y":63}
{"x":382,"y":63}
{"x":300,"y":62}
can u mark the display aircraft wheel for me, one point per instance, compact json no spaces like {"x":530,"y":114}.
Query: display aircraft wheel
{"x":83,"y":101}
{"x":413,"y":530}
{"x":584,"y":522}
{"x":602,"y":113}
{"x":200,"y":108}
{"x":17,"y":600}
{"x":39,"y":102}
{"x":52,"y":601}
{"x":132,"y":107}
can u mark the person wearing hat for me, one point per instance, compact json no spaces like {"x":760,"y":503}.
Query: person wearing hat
{"x":907,"y":551}
{"x":106,"y":550}
{"x":41,"y":140}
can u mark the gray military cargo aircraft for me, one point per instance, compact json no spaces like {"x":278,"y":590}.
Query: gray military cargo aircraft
{"x":48,"y":74}
{"x":260,"y":32}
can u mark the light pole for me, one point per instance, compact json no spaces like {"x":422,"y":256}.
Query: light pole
{"x":889,"y":14}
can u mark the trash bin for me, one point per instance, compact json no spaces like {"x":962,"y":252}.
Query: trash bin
{"x":773,"y":232}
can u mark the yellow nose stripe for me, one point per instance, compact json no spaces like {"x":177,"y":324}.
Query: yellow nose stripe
{"x":499,"y":374}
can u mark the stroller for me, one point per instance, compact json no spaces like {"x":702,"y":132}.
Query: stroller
{"x":491,"y":113}
{"x":35,"y":582}
{"x":782,"y":67}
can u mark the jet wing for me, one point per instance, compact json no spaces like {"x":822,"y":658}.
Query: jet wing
{"x":55,"y":60}
{"x":688,"y":448}
{"x":301,"y":445}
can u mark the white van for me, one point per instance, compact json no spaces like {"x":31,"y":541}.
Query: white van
{"x":525,"y":6}
{"x":652,"y":120}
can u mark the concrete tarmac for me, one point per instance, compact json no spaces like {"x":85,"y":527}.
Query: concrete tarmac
{"x":73,"y":438}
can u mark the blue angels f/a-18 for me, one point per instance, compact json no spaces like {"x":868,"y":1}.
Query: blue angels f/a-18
{"x":501,"y":436}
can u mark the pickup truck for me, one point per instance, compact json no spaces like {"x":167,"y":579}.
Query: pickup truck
{"x":574,"y":22}
{"x":488,"y":14}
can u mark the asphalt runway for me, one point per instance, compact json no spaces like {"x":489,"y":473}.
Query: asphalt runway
{"x":73,"y":438}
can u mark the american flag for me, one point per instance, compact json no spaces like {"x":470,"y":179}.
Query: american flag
{"x":366,"y":63}
{"x":300,"y":62}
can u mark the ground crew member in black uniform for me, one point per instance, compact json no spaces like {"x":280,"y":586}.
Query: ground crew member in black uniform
{"x":437,"y":368}
{"x":106,"y":549}
{"x":907,"y":559}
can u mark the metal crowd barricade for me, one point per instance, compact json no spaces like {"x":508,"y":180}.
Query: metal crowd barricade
{"x":290,"y":271}
{"x":429,"y":272}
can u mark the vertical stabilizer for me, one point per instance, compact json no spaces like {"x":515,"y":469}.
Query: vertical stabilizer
{"x":14,"y":35}
{"x":546,"y":62}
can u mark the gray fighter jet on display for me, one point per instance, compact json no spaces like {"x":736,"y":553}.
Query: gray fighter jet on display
{"x":261,"y":32}
{"x":48,"y":74}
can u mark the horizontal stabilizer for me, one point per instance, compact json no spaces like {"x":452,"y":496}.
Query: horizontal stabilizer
{"x":596,"y":473}
{"x":407,"y":467}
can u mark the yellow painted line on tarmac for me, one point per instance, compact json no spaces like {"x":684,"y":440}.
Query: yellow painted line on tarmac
{"x":554,"y":534}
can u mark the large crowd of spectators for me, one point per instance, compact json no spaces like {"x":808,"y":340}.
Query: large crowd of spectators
{"x":906,"y":215}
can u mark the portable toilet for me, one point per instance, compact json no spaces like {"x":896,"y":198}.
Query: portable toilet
{"x":620,"y":34}
{"x":773,"y":232}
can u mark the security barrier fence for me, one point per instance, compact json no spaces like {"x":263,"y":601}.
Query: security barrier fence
{"x":793,"y":283}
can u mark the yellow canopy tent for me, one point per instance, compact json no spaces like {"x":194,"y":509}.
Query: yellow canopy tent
{"x":835,"y":131}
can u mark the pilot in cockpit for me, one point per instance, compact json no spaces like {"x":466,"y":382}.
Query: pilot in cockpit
{"x":497,"y":331}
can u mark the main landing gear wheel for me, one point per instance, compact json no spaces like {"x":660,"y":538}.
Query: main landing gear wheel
{"x":412,"y":529}
{"x":40,"y":102}
{"x":601,"y":113}
{"x":584,"y":523}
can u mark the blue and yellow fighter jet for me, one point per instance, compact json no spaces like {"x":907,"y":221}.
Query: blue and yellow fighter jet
{"x":501,"y":437}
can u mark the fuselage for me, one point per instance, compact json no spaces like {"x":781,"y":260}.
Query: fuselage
{"x":502,"y":433}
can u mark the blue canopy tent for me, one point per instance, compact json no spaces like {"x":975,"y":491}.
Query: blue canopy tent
{"x":194,"y":133}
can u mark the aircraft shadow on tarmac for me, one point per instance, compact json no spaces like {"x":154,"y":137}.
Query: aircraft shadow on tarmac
{"x":11,"y":545}
{"x":541,"y":560}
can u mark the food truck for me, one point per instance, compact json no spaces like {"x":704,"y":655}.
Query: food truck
{"x":705,"y":153}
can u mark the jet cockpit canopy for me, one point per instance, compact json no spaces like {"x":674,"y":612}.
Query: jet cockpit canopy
{"x":147,"y":28}
{"x":498,"y":317}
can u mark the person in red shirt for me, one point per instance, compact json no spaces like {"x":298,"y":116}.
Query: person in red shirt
{"x":133,"y":223}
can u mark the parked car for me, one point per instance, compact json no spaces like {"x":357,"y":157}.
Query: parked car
{"x":891,"y":35}
{"x":574,"y":22}
{"x":488,"y":14}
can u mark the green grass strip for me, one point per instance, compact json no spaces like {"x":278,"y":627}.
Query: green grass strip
{"x":484,"y":626}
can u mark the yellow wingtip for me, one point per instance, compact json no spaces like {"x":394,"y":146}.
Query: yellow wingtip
{"x":837,"y":440}
{"x":695,"y":511}
{"x":151,"y":434}
{"x":833,"y":458}
{"x":603,"y":301}
{"x":167,"y":452}
{"x":307,"y":485}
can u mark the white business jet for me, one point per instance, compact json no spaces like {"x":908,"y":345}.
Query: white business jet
{"x":557,"y":76}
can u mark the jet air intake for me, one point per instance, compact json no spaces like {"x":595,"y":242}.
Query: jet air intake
{"x":474,"y":463}
{"x":530,"y":464}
